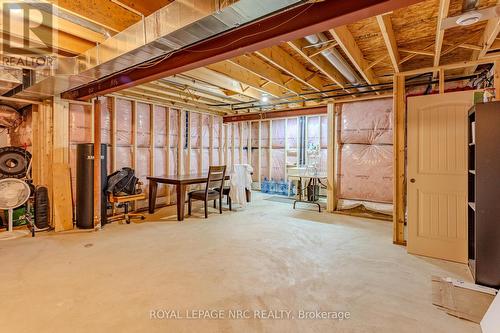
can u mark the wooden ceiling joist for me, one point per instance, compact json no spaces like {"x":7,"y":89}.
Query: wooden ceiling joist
{"x":227,"y":84}
{"x":267,"y":72}
{"x":247,"y":78}
{"x":348,"y":44}
{"x":284,"y":61}
{"x":320,"y":63}
{"x":444,"y":7}
{"x":102,"y":12}
{"x":385,"y":25}
{"x":139,"y":92}
{"x":185,"y":95}
{"x":191,"y":90}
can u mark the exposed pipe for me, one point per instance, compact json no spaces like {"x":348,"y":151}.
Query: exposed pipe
{"x":335,"y":58}
{"x":366,"y":91}
{"x":469,"y":5}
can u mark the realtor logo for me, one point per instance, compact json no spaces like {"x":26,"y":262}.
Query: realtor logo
{"x":27,"y":29}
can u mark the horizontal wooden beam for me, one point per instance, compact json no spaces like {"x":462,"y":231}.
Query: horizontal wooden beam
{"x":420,"y":52}
{"x":276,"y":114}
{"x":461,"y":64}
{"x":19,"y":100}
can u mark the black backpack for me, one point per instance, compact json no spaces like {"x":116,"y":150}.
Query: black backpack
{"x":122,"y":182}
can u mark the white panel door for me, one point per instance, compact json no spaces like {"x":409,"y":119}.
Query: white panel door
{"x":437,"y":175}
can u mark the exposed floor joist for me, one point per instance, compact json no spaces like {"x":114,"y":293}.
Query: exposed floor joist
{"x":284,"y":61}
{"x":346,"y":41}
{"x":385,"y":24}
{"x":320,"y":63}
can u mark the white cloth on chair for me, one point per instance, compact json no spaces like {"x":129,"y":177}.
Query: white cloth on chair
{"x":240,"y":180}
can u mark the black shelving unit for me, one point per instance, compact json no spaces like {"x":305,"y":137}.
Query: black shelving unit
{"x":484,"y":193}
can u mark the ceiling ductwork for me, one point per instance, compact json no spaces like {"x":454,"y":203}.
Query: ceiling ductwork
{"x":335,"y":58}
{"x":175,"y":26}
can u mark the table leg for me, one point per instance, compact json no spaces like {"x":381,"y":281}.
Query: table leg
{"x":153,"y":187}
{"x":181,"y":200}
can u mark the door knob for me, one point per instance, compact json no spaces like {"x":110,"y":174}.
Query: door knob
{"x":412,"y":180}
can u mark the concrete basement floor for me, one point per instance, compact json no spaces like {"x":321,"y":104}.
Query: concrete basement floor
{"x":267,"y":257}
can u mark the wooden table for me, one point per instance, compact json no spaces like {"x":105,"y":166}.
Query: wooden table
{"x":181,"y":183}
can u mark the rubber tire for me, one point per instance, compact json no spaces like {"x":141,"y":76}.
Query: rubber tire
{"x":42,"y":208}
{"x":21,"y":155}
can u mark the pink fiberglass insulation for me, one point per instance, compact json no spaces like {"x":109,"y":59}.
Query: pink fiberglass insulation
{"x":195,"y":158}
{"x":292,"y":132}
{"x":205,"y":120}
{"x":367,"y":122}
{"x":194,"y":128}
{"x":324,"y":132}
{"x":244,"y":157}
{"x":215,"y":156}
{"x":255,"y":134}
{"x":278,"y":171}
{"x":366,"y":172}
{"x":255,"y":164}
{"x":174,"y":127}
{"x":172,"y":158}
{"x":216,"y":134}
{"x":264,"y":163}
{"x":244,"y":134}
{"x":160,"y":167}
{"x":366,"y":152}
{"x":237,"y":135}
{"x":313,"y":130}
{"x":143,"y":125}
{"x":123,"y":157}
{"x":123,"y":122}
{"x":323,"y":165}
{"x":160,"y":125}
{"x":172,"y":162}
{"x":278,"y":133}
{"x":80,"y":123}
{"x":105,"y":121}
{"x":142,"y":169}
{"x":229,"y":144}
{"x":80,"y":131}
{"x":206,"y":160}
{"x":264,"y":134}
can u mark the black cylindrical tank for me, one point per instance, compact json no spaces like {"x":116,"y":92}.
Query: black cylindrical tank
{"x":85,"y":185}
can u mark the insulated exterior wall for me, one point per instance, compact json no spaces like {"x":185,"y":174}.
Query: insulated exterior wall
{"x":366,"y":152}
{"x":254,"y":128}
{"x":264,"y":151}
{"x":205,"y":120}
{"x":195,"y":151}
{"x":216,"y":141}
{"x":278,"y":149}
{"x":292,"y":141}
{"x":80,"y":131}
{"x":106,"y":128}
{"x":124,"y":124}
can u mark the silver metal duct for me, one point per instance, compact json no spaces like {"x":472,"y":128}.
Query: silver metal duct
{"x":175,"y":26}
{"x":336,"y":59}
{"x":469,"y":5}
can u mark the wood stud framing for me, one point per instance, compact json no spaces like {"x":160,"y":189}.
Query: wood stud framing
{"x":399,"y":144}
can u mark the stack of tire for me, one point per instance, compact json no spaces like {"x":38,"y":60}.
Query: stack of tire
{"x":14,"y":163}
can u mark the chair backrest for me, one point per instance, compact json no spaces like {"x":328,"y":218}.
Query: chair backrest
{"x":216,"y":175}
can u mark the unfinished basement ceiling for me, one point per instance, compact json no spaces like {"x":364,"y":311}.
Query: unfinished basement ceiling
{"x":282,"y":73}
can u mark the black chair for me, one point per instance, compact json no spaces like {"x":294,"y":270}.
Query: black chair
{"x":225,"y":191}
{"x":213,"y":191}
